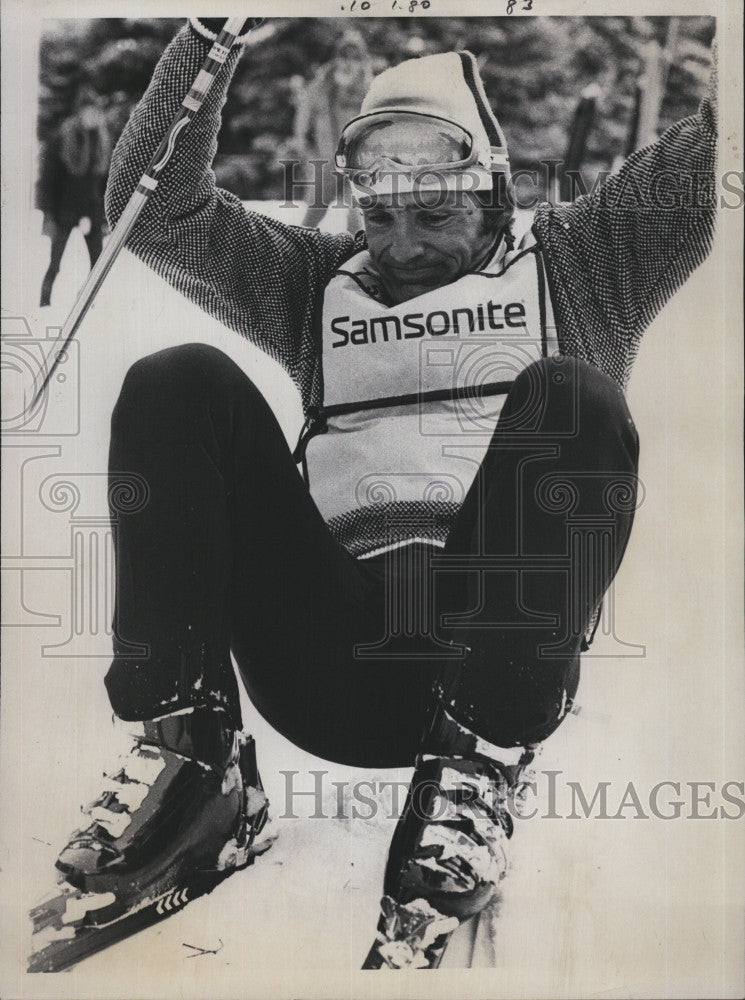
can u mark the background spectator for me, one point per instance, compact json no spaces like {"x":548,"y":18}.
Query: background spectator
{"x":73,"y":168}
{"x":332,"y":98}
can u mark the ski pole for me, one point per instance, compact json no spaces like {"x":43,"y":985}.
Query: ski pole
{"x":147,"y":184}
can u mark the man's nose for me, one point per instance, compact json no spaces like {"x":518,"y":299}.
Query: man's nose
{"x":407,"y":245}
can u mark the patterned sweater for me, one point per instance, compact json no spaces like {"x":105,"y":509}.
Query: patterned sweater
{"x":613,"y":257}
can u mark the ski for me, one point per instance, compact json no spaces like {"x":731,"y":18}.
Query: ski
{"x":410,"y":936}
{"x":70,"y":924}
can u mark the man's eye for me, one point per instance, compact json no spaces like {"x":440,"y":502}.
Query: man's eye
{"x":377,"y":218}
{"x":436,"y":218}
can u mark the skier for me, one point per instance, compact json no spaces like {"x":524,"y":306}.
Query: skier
{"x":446,"y":478}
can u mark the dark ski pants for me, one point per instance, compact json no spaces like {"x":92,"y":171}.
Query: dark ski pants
{"x":224,"y":550}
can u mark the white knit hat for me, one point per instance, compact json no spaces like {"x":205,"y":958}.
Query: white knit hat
{"x":447,"y":85}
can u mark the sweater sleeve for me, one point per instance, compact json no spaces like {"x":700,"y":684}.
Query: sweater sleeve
{"x":616,"y":255}
{"x":260,"y":277}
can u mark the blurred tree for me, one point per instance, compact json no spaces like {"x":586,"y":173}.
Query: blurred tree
{"x":534,"y":71}
{"x":113,"y":55}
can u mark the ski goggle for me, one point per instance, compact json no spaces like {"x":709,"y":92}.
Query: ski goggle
{"x":405,"y":141}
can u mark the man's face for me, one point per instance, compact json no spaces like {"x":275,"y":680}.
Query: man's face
{"x":417,"y":248}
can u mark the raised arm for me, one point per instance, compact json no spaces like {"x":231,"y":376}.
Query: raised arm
{"x":260,"y":277}
{"x":616,"y":255}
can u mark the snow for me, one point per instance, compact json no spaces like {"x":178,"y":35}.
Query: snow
{"x":421,"y":924}
{"x":622,"y":907}
{"x":77,"y":906}
{"x":114,"y":822}
{"x":130,"y":793}
{"x":142,"y":766}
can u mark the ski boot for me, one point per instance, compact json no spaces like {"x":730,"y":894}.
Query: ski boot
{"x":178,"y":814}
{"x":449,"y":849}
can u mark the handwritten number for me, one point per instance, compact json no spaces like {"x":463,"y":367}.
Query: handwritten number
{"x":511,"y":5}
{"x":528,"y":5}
{"x":413,"y":4}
